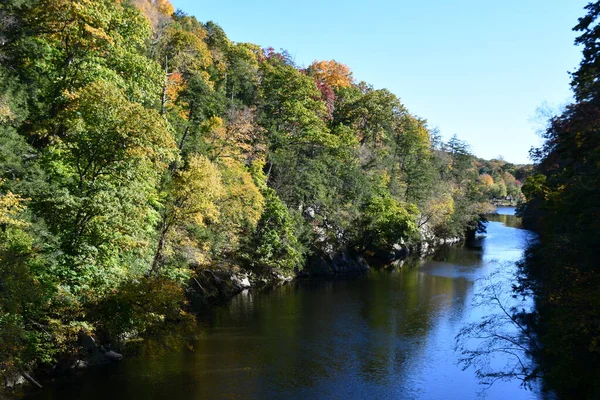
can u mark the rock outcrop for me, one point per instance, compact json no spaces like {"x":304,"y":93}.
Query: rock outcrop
{"x":343,"y":262}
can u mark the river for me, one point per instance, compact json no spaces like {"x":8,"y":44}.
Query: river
{"x":388,"y":334}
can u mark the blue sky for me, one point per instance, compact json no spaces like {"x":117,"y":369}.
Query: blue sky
{"x":475,"y":68}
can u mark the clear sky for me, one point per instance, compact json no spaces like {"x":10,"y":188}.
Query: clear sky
{"x":475,"y":68}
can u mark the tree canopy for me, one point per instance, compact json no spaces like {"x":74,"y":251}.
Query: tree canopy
{"x":140,"y":147}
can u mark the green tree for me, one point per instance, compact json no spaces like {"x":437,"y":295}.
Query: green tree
{"x":275,"y":242}
{"x":104,"y":170}
{"x":563,"y":205}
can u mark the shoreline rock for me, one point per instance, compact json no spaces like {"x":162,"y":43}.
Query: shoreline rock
{"x":343,"y":262}
{"x":218,"y":285}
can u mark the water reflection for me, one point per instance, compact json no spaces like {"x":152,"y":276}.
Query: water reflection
{"x":387,"y":334}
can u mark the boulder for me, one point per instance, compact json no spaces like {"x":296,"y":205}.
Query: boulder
{"x":113,"y":356}
{"x":13,"y":380}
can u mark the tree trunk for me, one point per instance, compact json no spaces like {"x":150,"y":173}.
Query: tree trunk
{"x":163,"y":100}
{"x":160,"y":248}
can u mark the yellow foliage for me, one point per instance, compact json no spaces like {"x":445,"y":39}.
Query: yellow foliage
{"x":101,"y":110}
{"x":197,"y":190}
{"x":243,"y":202}
{"x":11,"y":205}
{"x":76,"y":23}
{"x":164,"y":7}
{"x":186,"y":50}
{"x":212,"y":124}
{"x":332,"y":73}
{"x":197,"y":252}
{"x":156,"y":12}
{"x":508,"y":178}
{"x":6,"y":114}
{"x":247,"y":51}
{"x":98,"y":33}
{"x":439,"y":210}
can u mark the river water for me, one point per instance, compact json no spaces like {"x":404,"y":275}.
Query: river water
{"x":389,"y":334}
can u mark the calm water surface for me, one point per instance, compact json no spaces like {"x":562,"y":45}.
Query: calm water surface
{"x":388,"y":334}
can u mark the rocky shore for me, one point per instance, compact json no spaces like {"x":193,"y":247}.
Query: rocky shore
{"x":217,"y":285}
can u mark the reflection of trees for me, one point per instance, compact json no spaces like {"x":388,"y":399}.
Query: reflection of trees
{"x":510,"y":221}
{"x":500,"y":345}
{"x":370,"y":328}
{"x":400,"y":308}
{"x":461,"y":255}
{"x":317,"y":335}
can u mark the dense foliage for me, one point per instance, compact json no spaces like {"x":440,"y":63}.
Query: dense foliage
{"x":139,"y":146}
{"x":563,"y":204}
{"x":503,"y":180}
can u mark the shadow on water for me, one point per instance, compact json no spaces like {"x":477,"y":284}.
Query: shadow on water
{"x":386,"y":334}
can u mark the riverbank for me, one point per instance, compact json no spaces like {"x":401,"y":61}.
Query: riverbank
{"x":211,"y":286}
{"x":385,"y":333}
{"x":217,"y":286}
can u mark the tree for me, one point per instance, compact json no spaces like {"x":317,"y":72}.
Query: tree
{"x":412,"y":160}
{"x":195,"y":191}
{"x":563,"y":205}
{"x":19,"y":290}
{"x":240,"y":207}
{"x":292,"y":111}
{"x":275,"y":243}
{"x":183,"y":55}
{"x":331,"y":73}
{"x":243,"y":79}
{"x":584,"y":82}
{"x":373,"y":116}
{"x":157,"y":12}
{"x":387,"y":221}
{"x":462,"y":159}
{"x":11,"y":205}
{"x":76,"y":43}
{"x":486,"y":180}
{"x":239,"y":138}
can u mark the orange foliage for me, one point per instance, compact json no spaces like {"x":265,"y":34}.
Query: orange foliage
{"x":486,"y":179}
{"x":332,"y":73}
{"x":175,"y":85}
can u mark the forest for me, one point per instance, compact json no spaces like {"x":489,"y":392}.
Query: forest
{"x":563,"y":205}
{"x":140,"y":147}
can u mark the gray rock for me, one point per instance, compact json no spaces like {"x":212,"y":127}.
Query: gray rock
{"x":241,"y":280}
{"x":113,"y":356}
{"x":80,"y":364}
{"x":342,"y":262}
{"x":88,"y":343}
{"x":13,"y":380}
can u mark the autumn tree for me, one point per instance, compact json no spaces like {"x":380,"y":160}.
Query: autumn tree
{"x":486,"y":180}
{"x":332,"y":73}
{"x":240,"y":137}
{"x":194,"y":193}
